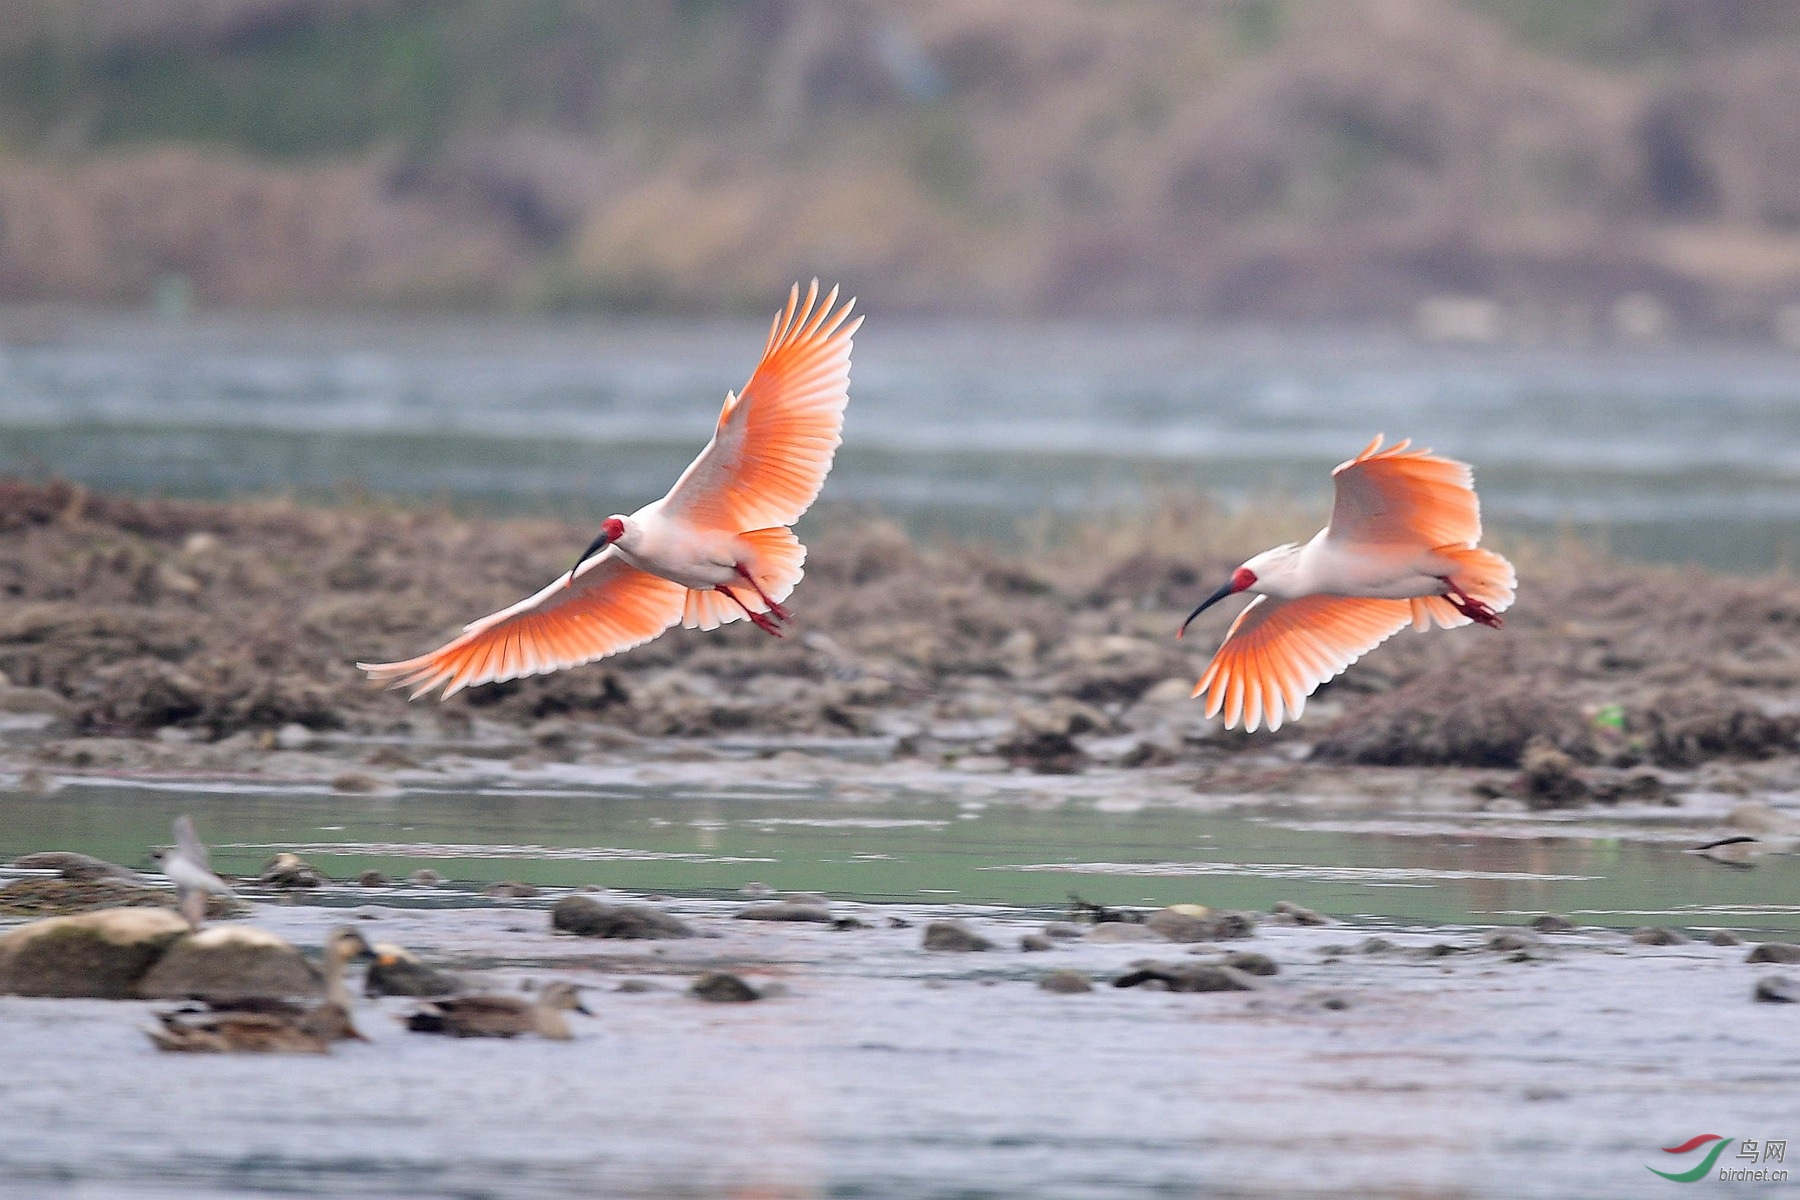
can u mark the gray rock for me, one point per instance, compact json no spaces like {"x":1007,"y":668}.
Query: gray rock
{"x":425,"y":877}
{"x":1724,"y":937}
{"x":510,"y":889}
{"x":77,"y":868}
{"x":1777,"y":989}
{"x":231,"y":962}
{"x":1376,"y":945}
{"x":636,"y":987}
{"x":1186,"y":927}
{"x":722,"y":987}
{"x":1180,"y":926}
{"x":291,"y":871}
{"x":1064,"y":930}
{"x":954,"y":935}
{"x":1189,"y":977}
{"x":1290,"y":913}
{"x":373,"y":879}
{"x":1509,"y":939}
{"x":1066,"y":982}
{"x":30,"y":701}
{"x":1112,"y":932}
{"x":1552,"y":923}
{"x":591,"y":918}
{"x":1658,"y":935}
{"x":1252,"y":963}
{"x":100,"y":954}
{"x":1035,"y":942}
{"x":1775,"y":952}
{"x":786,"y":910}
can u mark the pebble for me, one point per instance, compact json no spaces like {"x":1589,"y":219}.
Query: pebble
{"x":722,"y":987}
{"x":1508,"y":939}
{"x":954,"y":935}
{"x":1657,"y":935}
{"x":1775,"y":952}
{"x":1035,"y":941}
{"x":1066,"y":982}
{"x":293,"y":736}
{"x":1552,"y":923}
{"x":633,"y":987}
{"x":1777,"y":989}
{"x":1724,"y":937}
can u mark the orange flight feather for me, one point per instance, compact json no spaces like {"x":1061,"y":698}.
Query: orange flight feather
{"x":776,"y":439}
{"x":1401,"y":495}
{"x":609,"y":606}
{"x":1278,"y":652}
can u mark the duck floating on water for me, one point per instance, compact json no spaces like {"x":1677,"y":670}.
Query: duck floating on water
{"x":502,"y":1016}
{"x":270,"y":1025}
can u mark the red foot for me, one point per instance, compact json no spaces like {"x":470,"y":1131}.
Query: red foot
{"x":760,"y":620}
{"x":780,"y":612}
{"x":1471,"y":608}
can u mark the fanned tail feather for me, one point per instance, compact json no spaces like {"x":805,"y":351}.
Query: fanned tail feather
{"x":775,"y":560}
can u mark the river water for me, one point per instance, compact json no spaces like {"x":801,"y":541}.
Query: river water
{"x":888,"y":1071}
{"x":1667,"y":453}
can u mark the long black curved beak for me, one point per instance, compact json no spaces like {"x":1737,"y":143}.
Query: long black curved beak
{"x":1225,"y":590}
{"x":594,"y":548}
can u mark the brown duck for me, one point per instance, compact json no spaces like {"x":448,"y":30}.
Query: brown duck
{"x":502,"y":1016}
{"x":268,"y":1025}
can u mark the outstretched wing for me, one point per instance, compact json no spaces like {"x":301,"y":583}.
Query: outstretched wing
{"x":774,"y":443}
{"x":1400,"y":496}
{"x":188,"y":843}
{"x":607,"y":607}
{"x":1278,"y":652}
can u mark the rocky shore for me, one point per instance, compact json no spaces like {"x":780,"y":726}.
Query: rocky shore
{"x":182,"y":637}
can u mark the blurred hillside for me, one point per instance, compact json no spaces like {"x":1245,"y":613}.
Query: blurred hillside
{"x":1561,"y":160}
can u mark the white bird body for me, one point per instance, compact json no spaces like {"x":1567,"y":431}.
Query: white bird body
{"x":653,"y":541}
{"x":1400,"y":549}
{"x":189,"y":867}
{"x":1327,"y":565}
{"x":715,"y":549}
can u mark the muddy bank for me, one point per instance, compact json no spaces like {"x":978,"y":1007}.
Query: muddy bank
{"x":211,"y":634}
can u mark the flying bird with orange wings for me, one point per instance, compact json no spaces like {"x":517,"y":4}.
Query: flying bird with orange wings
{"x":1400,"y":549}
{"x":716,"y":549}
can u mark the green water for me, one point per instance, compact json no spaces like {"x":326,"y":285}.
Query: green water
{"x":920,"y":848}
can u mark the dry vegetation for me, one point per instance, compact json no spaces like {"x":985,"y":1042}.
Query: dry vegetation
{"x":128,"y":616}
{"x":1298,"y":158}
